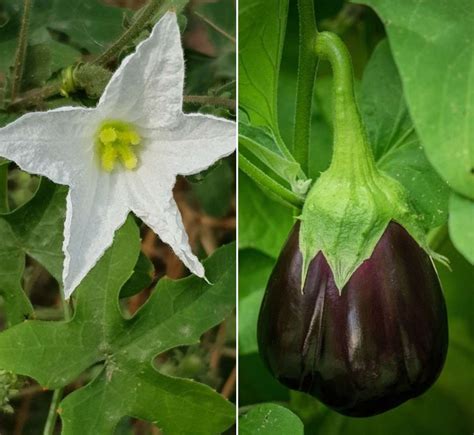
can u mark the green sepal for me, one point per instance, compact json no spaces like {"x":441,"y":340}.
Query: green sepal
{"x":344,"y":218}
{"x":348,"y":209}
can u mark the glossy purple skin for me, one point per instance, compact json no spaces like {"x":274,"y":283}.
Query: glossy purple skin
{"x":380,"y":343}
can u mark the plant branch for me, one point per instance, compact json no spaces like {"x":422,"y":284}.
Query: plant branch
{"x":58,"y":393}
{"x":143,"y":18}
{"x":53,"y":412}
{"x":307,"y":67}
{"x":213,"y":101}
{"x":215,"y":27}
{"x":35,"y":96}
{"x":269,"y":185}
{"x":21,"y":49}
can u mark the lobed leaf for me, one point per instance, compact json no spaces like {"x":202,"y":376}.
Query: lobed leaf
{"x":177,"y":313}
{"x":35,"y":229}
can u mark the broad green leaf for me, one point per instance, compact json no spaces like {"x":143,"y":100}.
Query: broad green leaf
{"x":433,"y":47}
{"x":254,"y":270}
{"x":216,"y":190}
{"x":261,"y":36}
{"x":270,"y":419}
{"x":35,"y":229}
{"x":263,"y":224}
{"x":141,"y":278}
{"x":90,"y":24}
{"x":177,"y":313}
{"x":396,"y":146}
{"x":256,"y":384}
{"x":461,"y":225}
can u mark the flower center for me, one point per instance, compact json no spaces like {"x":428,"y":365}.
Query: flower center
{"x":116,"y":140}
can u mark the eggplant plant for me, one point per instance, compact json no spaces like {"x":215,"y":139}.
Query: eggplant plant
{"x":352,"y":309}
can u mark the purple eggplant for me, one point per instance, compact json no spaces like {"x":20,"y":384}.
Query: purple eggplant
{"x":380,"y":342}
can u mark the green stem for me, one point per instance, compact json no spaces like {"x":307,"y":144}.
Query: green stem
{"x":269,"y":185}
{"x":143,"y":18}
{"x":4,"y":207}
{"x":351,"y":148}
{"x":307,"y":66}
{"x":21,"y":49}
{"x":50,"y":425}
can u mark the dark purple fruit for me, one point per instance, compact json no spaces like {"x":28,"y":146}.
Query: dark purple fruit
{"x":381,"y":342}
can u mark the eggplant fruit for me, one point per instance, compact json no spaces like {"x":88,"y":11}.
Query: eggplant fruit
{"x":380,"y":342}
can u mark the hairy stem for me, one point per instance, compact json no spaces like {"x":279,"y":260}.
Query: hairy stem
{"x":147,"y":13}
{"x":20,"y":56}
{"x":35,"y":96}
{"x":307,"y":67}
{"x":213,"y":101}
{"x":269,"y":185}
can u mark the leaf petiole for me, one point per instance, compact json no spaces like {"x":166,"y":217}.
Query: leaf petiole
{"x":269,"y":185}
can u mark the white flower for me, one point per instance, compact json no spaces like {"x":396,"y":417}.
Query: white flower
{"x":124,"y":155}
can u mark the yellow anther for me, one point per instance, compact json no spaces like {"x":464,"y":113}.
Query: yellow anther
{"x":114,"y":141}
{"x":109,"y":157}
{"x":128,"y":157}
{"x":135,"y":138}
{"x":108,"y":135}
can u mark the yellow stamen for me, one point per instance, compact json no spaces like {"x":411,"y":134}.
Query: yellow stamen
{"x":109,"y":156}
{"x":108,"y":135}
{"x":128,"y":157}
{"x":114,"y":140}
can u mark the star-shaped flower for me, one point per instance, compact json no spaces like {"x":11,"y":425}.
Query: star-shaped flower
{"x":124,"y":155}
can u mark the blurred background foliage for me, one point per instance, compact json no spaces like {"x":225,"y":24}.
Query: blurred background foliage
{"x":64,"y":33}
{"x":447,"y":408}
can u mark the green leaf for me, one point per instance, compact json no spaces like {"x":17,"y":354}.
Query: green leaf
{"x":396,"y":146}
{"x":215,"y":192}
{"x":254,"y":271}
{"x":177,"y":313}
{"x":141,"y":278}
{"x":461,"y":225}
{"x":261,"y":36}
{"x":35,"y":229}
{"x":270,"y":419}
{"x":263,"y":224}
{"x":90,"y":24}
{"x":434,"y":52}
{"x":222,"y":15}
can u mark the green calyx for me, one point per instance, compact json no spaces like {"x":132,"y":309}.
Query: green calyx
{"x":349,"y":207}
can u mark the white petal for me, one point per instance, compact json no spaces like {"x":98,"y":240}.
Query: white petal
{"x":151,"y":199}
{"x":147,"y":88}
{"x":197,"y":143}
{"x":57,"y":144}
{"x":96,"y":208}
